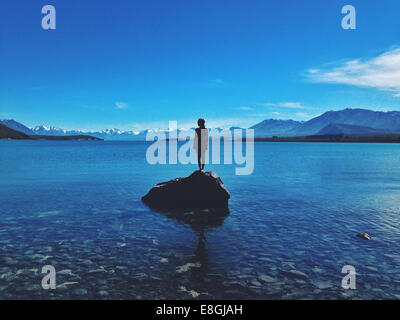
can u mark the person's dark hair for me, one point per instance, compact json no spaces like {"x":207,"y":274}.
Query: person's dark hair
{"x":201,"y":123}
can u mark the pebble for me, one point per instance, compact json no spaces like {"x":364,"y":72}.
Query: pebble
{"x":266,"y":278}
{"x":298,"y":273}
{"x":188,"y":266}
{"x":323,"y":285}
{"x":364,"y":236}
{"x":140,"y":276}
{"x":87,"y":262}
{"x":80,"y":292}
{"x":66,"y":284}
{"x":10,"y":261}
{"x":256,"y":283}
{"x":103,"y":293}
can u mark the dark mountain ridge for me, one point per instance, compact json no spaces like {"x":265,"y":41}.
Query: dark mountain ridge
{"x":12,"y":124}
{"x":347,"y":129}
{"x":8,"y":133}
{"x":364,"y":121}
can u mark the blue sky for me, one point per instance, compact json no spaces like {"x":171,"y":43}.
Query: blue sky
{"x":137,"y":64}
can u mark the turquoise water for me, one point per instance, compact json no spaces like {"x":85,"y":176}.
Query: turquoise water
{"x":292,"y":224}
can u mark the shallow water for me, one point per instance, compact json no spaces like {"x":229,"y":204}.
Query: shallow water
{"x":292,"y":224}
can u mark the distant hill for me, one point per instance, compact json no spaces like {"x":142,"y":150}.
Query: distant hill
{"x":273,"y":127}
{"x":77,"y":137}
{"x":8,"y":133}
{"x":389,"y":121}
{"x":12,"y":124}
{"x":339,"y":129}
{"x":360,"y":119}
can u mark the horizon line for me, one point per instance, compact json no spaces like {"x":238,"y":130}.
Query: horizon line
{"x":184,"y":128}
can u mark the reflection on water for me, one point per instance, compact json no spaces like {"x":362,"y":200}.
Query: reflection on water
{"x":199,"y":220}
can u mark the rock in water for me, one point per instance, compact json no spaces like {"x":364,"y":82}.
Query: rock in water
{"x":364,"y":236}
{"x":200,"y":190}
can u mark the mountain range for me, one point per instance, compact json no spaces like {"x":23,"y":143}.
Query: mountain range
{"x":343,"y":122}
{"x":8,"y":133}
{"x":347,"y":121}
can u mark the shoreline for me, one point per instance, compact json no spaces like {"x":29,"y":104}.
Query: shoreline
{"x":326,"y":139}
{"x":387,"y":138}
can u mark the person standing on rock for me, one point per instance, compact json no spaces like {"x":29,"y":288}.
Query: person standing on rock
{"x":201,"y":142}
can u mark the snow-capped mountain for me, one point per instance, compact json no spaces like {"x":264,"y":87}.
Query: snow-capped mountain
{"x":51,"y":131}
{"x":114,"y":134}
{"x":107,"y":134}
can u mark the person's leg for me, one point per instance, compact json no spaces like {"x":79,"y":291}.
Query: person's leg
{"x":203,"y":159}
{"x":199,"y":159}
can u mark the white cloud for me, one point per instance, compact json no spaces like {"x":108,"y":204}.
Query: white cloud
{"x":289,"y":105}
{"x":381,"y":72}
{"x":245,"y":108}
{"x":121,"y":105}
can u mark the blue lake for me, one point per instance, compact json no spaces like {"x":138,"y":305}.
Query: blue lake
{"x":292,"y":225}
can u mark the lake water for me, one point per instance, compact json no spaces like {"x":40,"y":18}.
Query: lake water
{"x":292,"y":224}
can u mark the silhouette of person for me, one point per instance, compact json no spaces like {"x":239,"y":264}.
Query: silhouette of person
{"x":201,"y":142}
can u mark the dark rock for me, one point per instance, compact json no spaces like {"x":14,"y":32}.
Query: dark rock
{"x":364,"y":236}
{"x":200,"y":200}
{"x":198,"y":191}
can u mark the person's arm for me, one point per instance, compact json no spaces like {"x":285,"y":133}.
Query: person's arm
{"x":195,"y":146}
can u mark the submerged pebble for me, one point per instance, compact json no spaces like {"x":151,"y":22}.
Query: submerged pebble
{"x":80,"y":292}
{"x":364,"y":236}
{"x":266,"y":278}
{"x":188,"y":266}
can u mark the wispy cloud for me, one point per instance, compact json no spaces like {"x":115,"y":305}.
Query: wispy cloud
{"x":216,"y":82}
{"x":4,"y":116}
{"x":381,"y":72}
{"x":244,"y":108}
{"x":289,"y":105}
{"x":303,"y":116}
{"x":121,"y":105}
